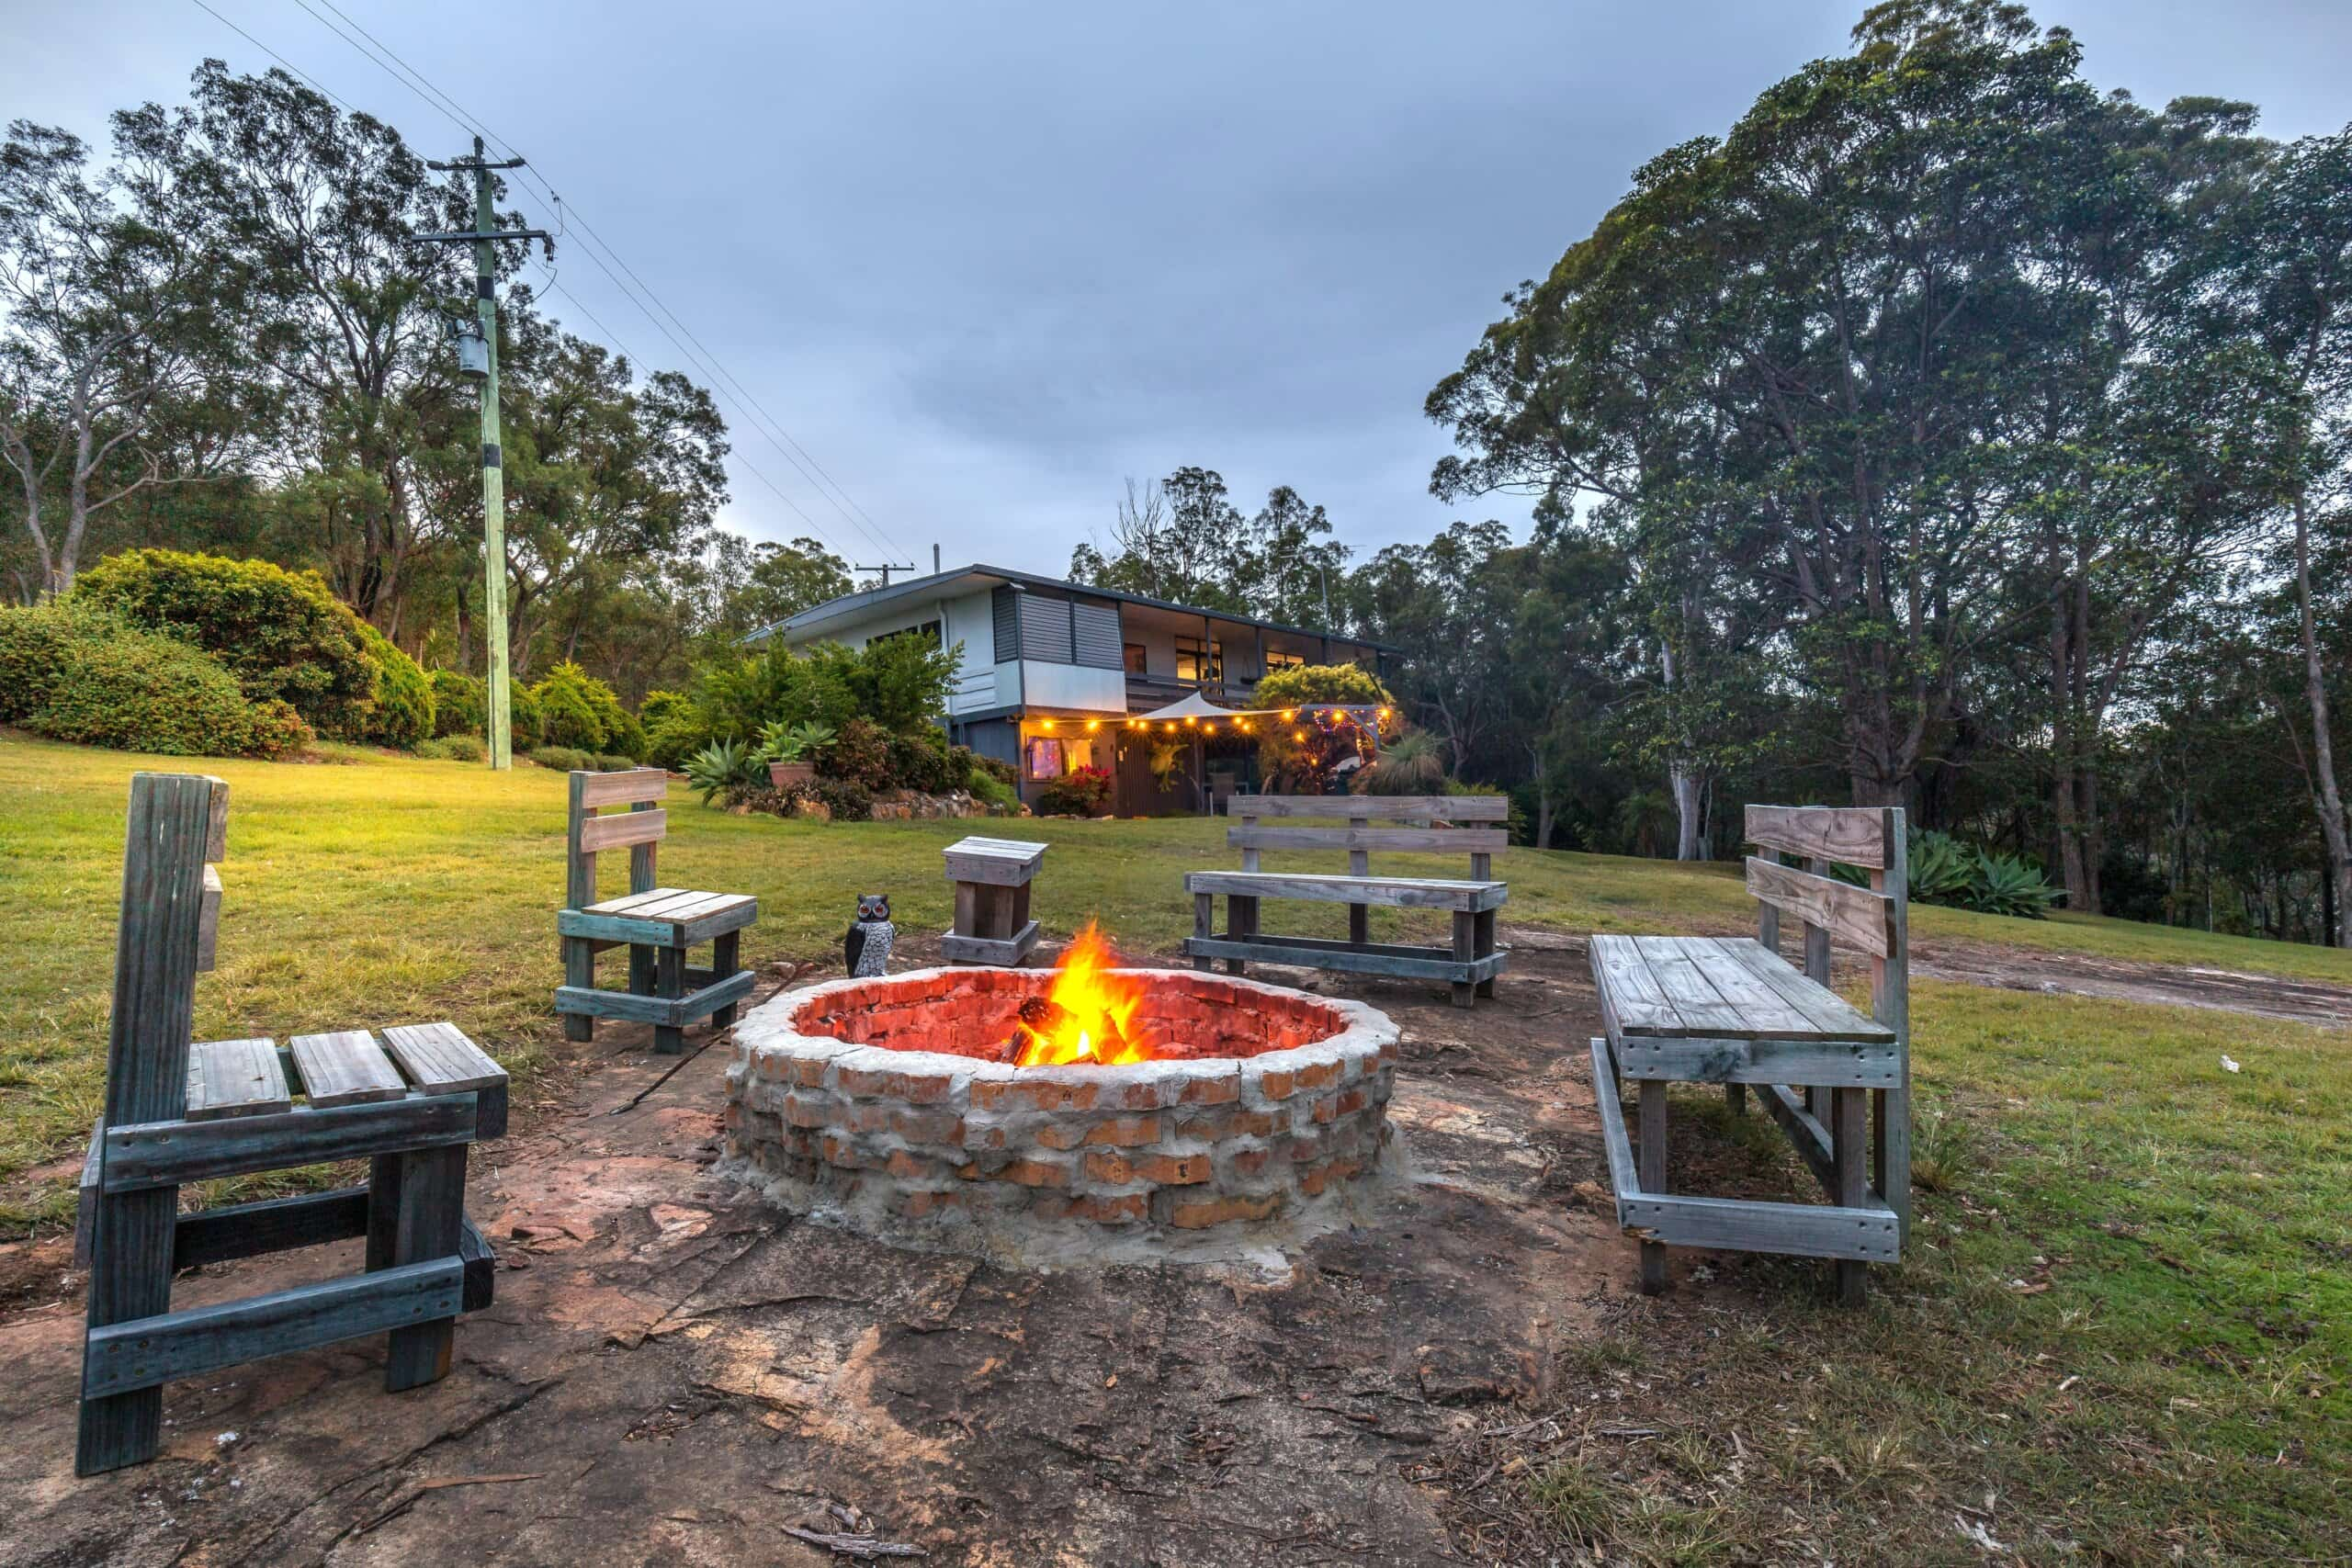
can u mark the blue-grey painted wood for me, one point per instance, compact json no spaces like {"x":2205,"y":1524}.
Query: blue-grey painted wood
{"x":174,"y":822}
{"x":621,"y":929}
{"x":1314,"y":953}
{"x":1739,"y":1224}
{"x":1399,"y":892}
{"x":1759,"y":1061}
{"x":430,"y":1224}
{"x":1805,"y":1130}
{"x":1614,"y":1140}
{"x":481,"y":1265}
{"x":149,"y":1351}
{"x":270,"y":1225}
{"x":657,"y":1011}
{"x":164,"y":1154}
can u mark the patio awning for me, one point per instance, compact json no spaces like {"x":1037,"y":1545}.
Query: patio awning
{"x":1193,"y":704}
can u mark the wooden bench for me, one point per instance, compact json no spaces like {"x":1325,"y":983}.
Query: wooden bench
{"x":1411,"y":822}
{"x":177,"y":1112}
{"x":991,"y":878}
{"x":1732,"y":1010}
{"x":658,"y":925}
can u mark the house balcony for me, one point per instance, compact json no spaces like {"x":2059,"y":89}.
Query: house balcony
{"x":1148,"y":692}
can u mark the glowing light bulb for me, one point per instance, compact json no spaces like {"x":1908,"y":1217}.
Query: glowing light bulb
{"x":1093,"y":724}
{"x":1289,"y":713}
{"x":1045,"y":724}
{"x":1299,"y":736}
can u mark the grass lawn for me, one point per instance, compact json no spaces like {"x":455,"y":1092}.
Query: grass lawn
{"x":2128,"y":1323}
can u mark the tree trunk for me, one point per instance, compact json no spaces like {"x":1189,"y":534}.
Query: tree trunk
{"x":1688,"y":811}
{"x":2330,"y":800}
{"x":2064,"y":770}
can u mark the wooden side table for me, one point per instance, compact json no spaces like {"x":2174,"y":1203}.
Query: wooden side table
{"x":993,"y":923}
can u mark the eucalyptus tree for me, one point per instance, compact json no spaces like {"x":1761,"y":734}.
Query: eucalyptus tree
{"x":119,"y":363}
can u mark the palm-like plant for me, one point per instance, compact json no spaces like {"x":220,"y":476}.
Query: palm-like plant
{"x":1414,"y":764}
{"x":721,"y":765}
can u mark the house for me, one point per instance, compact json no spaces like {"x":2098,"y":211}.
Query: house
{"x":1052,"y":673}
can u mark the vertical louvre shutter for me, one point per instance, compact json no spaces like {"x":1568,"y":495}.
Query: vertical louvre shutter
{"x":1096,"y":629}
{"x":1044,"y":629}
{"x":1008,"y":630}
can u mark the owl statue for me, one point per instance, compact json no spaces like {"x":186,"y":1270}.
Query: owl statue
{"x":866,"y":945}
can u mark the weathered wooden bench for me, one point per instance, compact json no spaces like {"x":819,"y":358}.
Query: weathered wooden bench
{"x":177,"y":1112}
{"x":991,"y":878}
{"x":1469,"y":965}
{"x":658,"y":925}
{"x":1733,"y":1011}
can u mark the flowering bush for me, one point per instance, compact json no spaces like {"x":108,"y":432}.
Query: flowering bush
{"x":1081,"y":791}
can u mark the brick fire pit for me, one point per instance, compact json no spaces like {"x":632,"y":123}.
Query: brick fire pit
{"x":883,"y":1103}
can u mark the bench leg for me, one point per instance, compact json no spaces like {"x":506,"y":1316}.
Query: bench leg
{"x":670,"y":980}
{"x":430,"y":1217}
{"x":1359,"y":925}
{"x":1465,"y":948}
{"x":1203,"y":927}
{"x":1483,"y":945}
{"x":1735,"y":1096}
{"x":642,"y":967}
{"x":384,"y":1210}
{"x":726,"y":958}
{"x":1849,"y":1146}
{"x":579,"y":969}
{"x":131,"y":1277}
{"x":1240,"y":918}
{"x":1649,"y":1166}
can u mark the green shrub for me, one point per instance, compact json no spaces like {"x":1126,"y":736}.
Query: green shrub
{"x":1942,"y":870}
{"x":628,"y":739}
{"x":403,"y":714}
{"x":1413,"y":763}
{"x":36,"y":641}
{"x":920,"y":761}
{"x":142,"y":691}
{"x":523,"y":731}
{"x":284,"y":634}
{"x":997,"y":768}
{"x":452,"y":748}
{"x":460,"y":705}
{"x":564,"y":758}
{"x":723,"y":765}
{"x":847,"y":799}
{"x":577,"y":709}
{"x":659,"y":704}
{"x":612,"y":762}
{"x":860,"y":753}
{"x":994,"y":791}
{"x":1081,"y":791}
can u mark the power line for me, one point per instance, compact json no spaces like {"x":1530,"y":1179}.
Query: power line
{"x":726,"y":381}
{"x":273,"y":55}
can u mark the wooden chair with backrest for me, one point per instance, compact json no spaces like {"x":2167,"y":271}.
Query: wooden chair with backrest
{"x":658,"y":925}
{"x":178,"y":1113}
{"x":1732,"y":1010}
{"x":1390,"y":823}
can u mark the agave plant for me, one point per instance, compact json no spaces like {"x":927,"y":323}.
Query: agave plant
{"x":1414,"y":764}
{"x":2008,"y":886}
{"x":721,"y":764}
{"x":781,"y":742}
{"x":1942,"y":869}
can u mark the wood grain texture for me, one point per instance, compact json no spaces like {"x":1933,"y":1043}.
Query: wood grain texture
{"x":269,"y":1225}
{"x":1847,"y":835}
{"x":625,"y":788}
{"x":622,"y":829}
{"x":1395,"y":892}
{"x":345,"y":1067}
{"x":207,"y":932}
{"x":1741,"y":1225}
{"x":438,"y":1059}
{"x":1848,"y":913}
{"x":431,"y":1219}
{"x":1388,"y":808}
{"x":1395,"y":840}
{"x":153,"y":1351}
{"x":163,"y":1153}
{"x":235,"y":1078}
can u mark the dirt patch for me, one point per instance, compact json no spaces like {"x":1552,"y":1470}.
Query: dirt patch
{"x":2074,"y":974}
{"x":674,"y":1372}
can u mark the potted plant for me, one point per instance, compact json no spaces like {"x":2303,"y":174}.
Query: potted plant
{"x":783,"y":748}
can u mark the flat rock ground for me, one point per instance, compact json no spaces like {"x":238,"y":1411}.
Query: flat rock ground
{"x":673,"y":1372}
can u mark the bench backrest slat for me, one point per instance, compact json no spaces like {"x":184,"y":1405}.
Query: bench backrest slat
{"x":1849,"y":835}
{"x":1419,"y":827}
{"x":639,"y":829}
{"x":1876,"y":918}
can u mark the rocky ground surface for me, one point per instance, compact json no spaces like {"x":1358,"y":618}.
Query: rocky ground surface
{"x":672,"y":1372}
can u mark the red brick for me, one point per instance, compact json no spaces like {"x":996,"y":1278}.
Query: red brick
{"x":805,"y":1111}
{"x":915,"y":1205}
{"x":1032,"y":1094}
{"x":1275,"y":1083}
{"x":1122,"y":1209}
{"x":1313,"y":1182}
{"x":1318,"y":1075}
{"x":928,"y":1126}
{"x":840,"y":1151}
{"x":1221,"y":1091}
{"x":1163,"y":1170}
{"x":1199,"y":1213}
{"x":1035,"y":1173}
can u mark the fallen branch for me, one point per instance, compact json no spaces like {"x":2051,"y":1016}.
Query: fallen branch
{"x":865,"y":1547}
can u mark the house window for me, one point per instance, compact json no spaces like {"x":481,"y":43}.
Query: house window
{"x":1199,"y":659}
{"x":930,"y":631}
{"x":1275,"y":659}
{"x":1044,"y":757}
{"x":1132,"y":653}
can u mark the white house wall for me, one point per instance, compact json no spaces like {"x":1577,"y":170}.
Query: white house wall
{"x":963,"y":618}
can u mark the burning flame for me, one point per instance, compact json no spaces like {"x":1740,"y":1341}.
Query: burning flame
{"x":1085,"y":1017}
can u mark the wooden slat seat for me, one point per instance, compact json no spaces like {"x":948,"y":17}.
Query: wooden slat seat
{"x":346,"y":1067}
{"x":1395,"y":892}
{"x":656,"y":924}
{"x":1733,"y":1011}
{"x":235,"y":1078}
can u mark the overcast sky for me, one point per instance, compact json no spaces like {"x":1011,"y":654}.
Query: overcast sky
{"x":983,"y":263}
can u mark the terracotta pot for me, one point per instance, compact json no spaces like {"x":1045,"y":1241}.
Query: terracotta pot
{"x":783,"y":775}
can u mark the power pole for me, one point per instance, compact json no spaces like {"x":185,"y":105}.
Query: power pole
{"x":485,"y":232}
{"x":886,"y":570}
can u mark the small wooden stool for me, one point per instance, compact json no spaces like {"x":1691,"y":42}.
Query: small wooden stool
{"x":177,"y":1113}
{"x":656,"y":924}
{"x":993,"y":923}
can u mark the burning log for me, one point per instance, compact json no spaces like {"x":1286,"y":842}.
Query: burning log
{"x":1052,"y":1032}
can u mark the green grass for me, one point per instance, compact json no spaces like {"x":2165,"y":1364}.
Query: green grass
{"x":2185,"y":1232}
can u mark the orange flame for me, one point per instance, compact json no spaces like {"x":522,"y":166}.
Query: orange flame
{"x":1089,"y":1012}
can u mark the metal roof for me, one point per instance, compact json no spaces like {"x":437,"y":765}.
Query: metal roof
{"x":850,"y":606}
